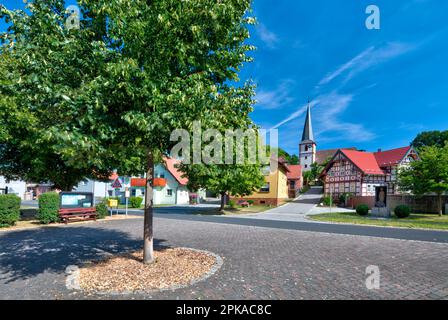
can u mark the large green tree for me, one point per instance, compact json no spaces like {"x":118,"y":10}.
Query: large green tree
{"x":430,"y":138}
{"x":107,"y":95}
{"x":429,"y":174}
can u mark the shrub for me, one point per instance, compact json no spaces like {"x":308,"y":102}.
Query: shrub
{"x":48,"y":208}
{"x":402,"y":211}
{"x":232,"y":204}
{"x":101,"y":209}
{"x":251,"y":202}
{"x":362,"y":209}
{"x":135,"y":202}
{"x":9,"y":210}
{"x":327,"y":201}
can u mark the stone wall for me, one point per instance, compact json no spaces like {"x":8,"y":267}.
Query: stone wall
{"x":425,"y":204}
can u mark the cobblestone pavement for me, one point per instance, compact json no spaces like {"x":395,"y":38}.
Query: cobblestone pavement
{"x":259,"y":263}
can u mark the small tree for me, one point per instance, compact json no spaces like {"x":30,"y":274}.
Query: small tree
{"x":236,"y":180}
{"x":430,"y":174}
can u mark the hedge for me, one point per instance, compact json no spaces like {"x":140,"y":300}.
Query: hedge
{"x":362,"y":209}
{"x":9,"y":210}
{"x":402,"y":211}
{"x":48,"y":208}
{"x":101,"y":209}
{"x":135,"y":202}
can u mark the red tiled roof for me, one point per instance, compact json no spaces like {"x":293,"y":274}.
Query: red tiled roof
{"x":391,"y":157}
{"x":138,"y":182}
{"x":170,"y":165}
{"x":295,"y":171}
{"x":365,"y":161}
{"x":324,"y":155}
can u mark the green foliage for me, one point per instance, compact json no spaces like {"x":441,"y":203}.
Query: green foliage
{"x":343,"y":198}
{"x":402,"y":211}
{"x":429,"y":174}
{"x":102,"y":210}
{"x":9,"y":210}
{"x":232,"y":204}
{"x":291,"y":159}
{"x":430,"y":139}
{"x":327,"y":201}
{"x":251,"y":202}
{"x":362,"y":209}
{"x":48,"y":208}
{"x":109,"y":95}
{"x":135,"y":202}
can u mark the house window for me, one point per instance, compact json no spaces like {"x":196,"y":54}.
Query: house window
{"x":306,"y":158}
{"x":265,"y":188}
{"x":169,"y":192}
{"x":133,"y":192}
{"x":306,"y":166}
{"x":292,"y":184}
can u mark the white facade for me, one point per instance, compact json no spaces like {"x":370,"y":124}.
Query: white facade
{"x":14,"y":187}
{"x":99,"y":189}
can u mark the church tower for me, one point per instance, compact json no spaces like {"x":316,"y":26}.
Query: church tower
{"x":307,"y":148}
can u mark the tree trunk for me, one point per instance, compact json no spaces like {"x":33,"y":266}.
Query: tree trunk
{"x":440,"y":205}
{"x":148,"y":245}
{"x":223,"y":201}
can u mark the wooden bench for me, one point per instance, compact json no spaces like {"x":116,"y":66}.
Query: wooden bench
{"x":244,"y":203}
{"x":78,"y":214}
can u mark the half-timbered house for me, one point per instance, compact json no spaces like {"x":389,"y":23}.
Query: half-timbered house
{"x":359,"y":173}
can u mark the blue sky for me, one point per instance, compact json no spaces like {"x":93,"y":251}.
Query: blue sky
{"x":369,"y":88}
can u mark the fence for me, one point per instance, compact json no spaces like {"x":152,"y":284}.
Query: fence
{"x":424,"y":204}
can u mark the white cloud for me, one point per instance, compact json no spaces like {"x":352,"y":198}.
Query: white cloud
{"x":292,"y":116}
{"x":331,"y":106}
{"x":269,"y":38}
{"x":370,"y":57}
{"x":273,"y":99}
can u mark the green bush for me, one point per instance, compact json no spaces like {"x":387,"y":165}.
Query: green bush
{"x":327,"y":201}
{"x":232,"y":204}
{"x":102,"y":210}
{"x":48,"y":208}
{"x":9,"y":210}
{"x":135,"y":202}
{"x":402,"y":211}
{"x":362,"y":209}
{"x":251,"y":202}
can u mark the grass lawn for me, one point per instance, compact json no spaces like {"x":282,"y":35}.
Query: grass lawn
{"x":238,"y":210}
{"x":414,"y":221}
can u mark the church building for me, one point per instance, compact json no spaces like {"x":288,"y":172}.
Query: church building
{"x":307,"y":147}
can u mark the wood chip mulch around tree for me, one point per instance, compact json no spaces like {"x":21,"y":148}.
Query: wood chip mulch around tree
{"x":172,"y":267}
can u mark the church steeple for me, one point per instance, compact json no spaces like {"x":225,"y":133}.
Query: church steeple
{"x":307,"y":147}
{"x":308,"y":128}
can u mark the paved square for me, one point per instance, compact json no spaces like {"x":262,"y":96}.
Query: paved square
{"x":259,"y":263}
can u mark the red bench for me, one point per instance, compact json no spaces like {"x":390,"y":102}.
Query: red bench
{"x":244,"y":203}
{"x":78,"y":214}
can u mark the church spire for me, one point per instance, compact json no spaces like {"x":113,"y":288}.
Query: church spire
{"x":308,"y":128}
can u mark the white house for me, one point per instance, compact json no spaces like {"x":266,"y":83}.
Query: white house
{"x":14,"y":187}
{"x":169,"y":186}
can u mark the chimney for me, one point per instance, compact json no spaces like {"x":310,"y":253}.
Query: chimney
{"x":379,"y":150}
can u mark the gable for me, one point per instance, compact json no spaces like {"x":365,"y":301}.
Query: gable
{"x":341,"y":165}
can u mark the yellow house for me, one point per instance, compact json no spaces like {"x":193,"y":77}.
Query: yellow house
{"x":275,"y":191}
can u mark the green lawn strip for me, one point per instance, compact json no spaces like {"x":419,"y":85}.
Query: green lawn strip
{"x":230,"y":211}
{"x":414,"y":221}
